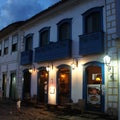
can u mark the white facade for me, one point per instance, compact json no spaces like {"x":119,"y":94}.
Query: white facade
{"x":9,"y":64}
{"x":69,"y":10}
{"x":51,"y":20}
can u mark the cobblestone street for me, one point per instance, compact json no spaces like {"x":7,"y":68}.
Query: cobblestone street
{"x":8,"y":112}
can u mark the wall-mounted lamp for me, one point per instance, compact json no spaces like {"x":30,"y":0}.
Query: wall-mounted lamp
{"x":107,"y":61}
{"x":52,"y":88}
{"x":74,"y":63}
{"x":48,"y":68}
{"x":33,"y":69}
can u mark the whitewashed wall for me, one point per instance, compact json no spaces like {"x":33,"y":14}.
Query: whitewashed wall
{"x":74,"y":12}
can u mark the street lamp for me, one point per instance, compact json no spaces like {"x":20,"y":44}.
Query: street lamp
{"x":33,"y":69}
{"x":74,"y":63}
{"x":107,"y":61}
{"x":48,"y":68}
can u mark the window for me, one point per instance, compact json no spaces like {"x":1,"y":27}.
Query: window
{"x":44,"y":36}
{"x":92,"y":20}
{"x":64,"y":29}
{"x":28,"y":42}
{"x":0,"y":49}
{"x":6,"y":47}
{"x":14,"y":43}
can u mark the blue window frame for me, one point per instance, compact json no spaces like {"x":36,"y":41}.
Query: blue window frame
{"x":14,"y":42}
{"x":92,"y":32}
{"x":44,"y":36}
{"x":88,"y":75}
{"x":6,"y":44}
{"x":29,"y":42}
{"x":64,"y":29}
{"x":93,"y":20}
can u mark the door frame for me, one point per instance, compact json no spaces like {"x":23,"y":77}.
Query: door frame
{"x":12,"y":88}
{"x":70,"y":83}
{"x":26,"y":96}
{"x":93,"y":63}
{"x":38,"y":85}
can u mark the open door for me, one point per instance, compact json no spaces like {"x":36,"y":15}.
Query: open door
{"x":93,"y":84}
{"x":26,"y":85}
{"x":64,"y":85}
{"x":42,"y":86}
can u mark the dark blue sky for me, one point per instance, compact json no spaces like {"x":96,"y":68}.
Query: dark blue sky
{"x":17,"y":10}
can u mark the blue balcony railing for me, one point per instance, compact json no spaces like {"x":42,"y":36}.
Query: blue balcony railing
{"x":26,"y":57}
{"x":54,"y":51}
{"x":92,"y":43}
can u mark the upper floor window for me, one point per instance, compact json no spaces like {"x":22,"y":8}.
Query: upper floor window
{"x":0,"y":48}
{"x":64,"y":29}
{"x":14,"y":43}
{"x":92,"y":20}
{"x":44,"y":34}
{"x":29,"y":42}
{"x":6,"y":43}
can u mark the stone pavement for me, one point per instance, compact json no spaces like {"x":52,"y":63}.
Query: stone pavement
{"x":8,"y":112}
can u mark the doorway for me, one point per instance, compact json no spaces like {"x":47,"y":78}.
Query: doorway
{"x":64,"y":84}
{"x":12,"y":92}
{"x":4,"y":83}
{"x":42,"y":86}
{"x":26,"y":85}
{"x":93,"y":84}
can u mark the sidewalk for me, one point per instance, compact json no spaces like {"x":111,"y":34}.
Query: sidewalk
{"x":8,"y":112}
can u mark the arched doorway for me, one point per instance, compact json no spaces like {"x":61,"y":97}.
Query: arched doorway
{"x":93,"y":84}
{"x":26,"y":84}
{"x":64,"y":84}
{"x":42,"y":90}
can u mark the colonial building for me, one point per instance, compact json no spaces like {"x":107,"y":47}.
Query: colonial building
{"x":61,"y":51}
{"x":9,"y":60}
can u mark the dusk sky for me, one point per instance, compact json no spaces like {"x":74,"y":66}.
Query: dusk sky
{"x":18,"y":10}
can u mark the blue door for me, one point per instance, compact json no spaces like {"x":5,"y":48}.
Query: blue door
{"x":93,"y":85}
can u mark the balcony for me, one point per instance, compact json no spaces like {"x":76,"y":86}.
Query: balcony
{"x":26,"y":57}
{"x":92,"y":43}
{"x":54,"y":51}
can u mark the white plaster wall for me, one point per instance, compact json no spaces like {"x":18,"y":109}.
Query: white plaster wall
{"x":51,"y":21}
{"x":9,"y":62}
{"x":74,"y":13}
{"x":53,"y":85}
{"x":7,"y":69}
{"x":77,"y":83}
{"x":34,"y":83}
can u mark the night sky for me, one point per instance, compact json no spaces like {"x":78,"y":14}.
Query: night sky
{"x":18,"y":10}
